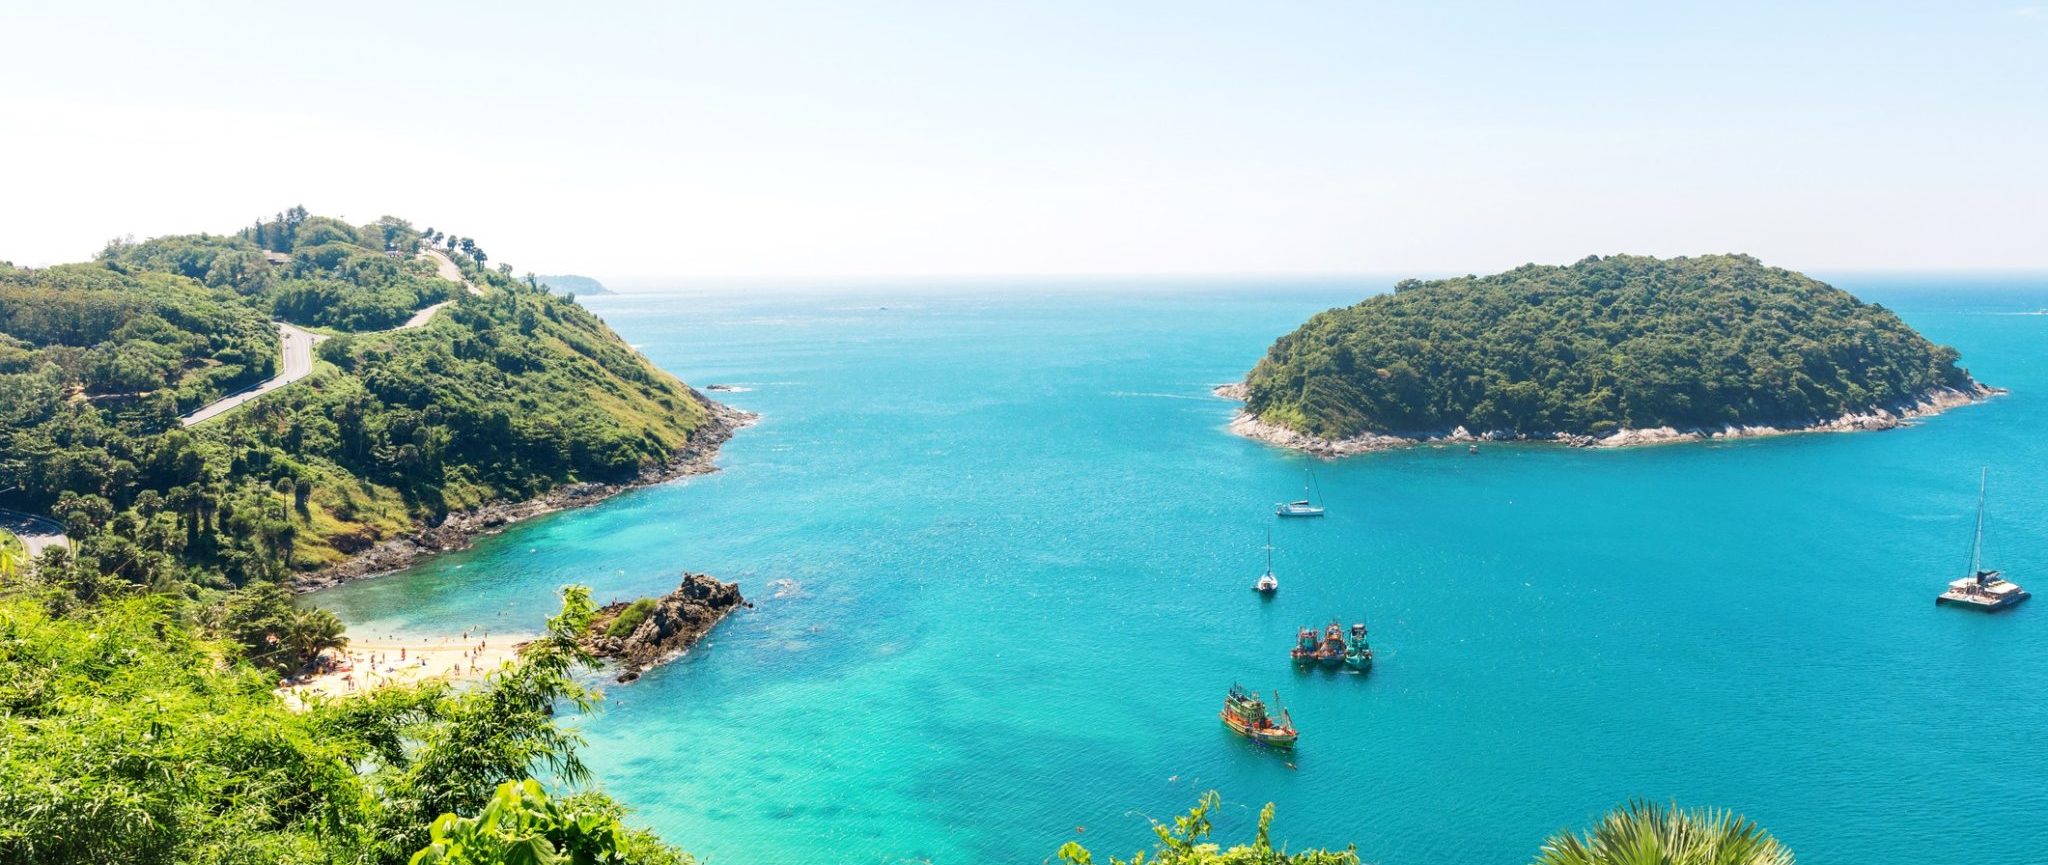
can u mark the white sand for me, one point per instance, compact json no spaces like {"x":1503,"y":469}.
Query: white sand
{"x":375,"y":663}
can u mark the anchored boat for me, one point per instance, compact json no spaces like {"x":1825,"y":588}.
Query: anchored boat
{"x":1245,"y":714}
{"x":1358,"y":656}
{"x":1306,"y":507}
{"x":1305,"y":646}
{"x":1327,"y":650}
{"x":1267,"y":584}
{"x":1982,"y":589}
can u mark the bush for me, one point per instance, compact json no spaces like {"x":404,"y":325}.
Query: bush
{"x":630,"y":618}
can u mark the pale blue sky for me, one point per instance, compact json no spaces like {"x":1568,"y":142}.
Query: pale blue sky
{"x":769,"y":138}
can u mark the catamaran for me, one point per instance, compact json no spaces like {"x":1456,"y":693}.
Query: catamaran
{"x":1267,"y":583}
{"x":1306,"y":507}
{"x":1982,"y":589}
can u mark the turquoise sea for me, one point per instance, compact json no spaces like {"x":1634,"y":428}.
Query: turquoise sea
{"x":1018,"y":545}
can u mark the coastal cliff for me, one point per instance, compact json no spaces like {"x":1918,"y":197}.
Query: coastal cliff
{"x":446,"y":399}
{"x":459,"y":530}
{"x":648,"y":631}
{"x":1608,"y":352}
{"x":1933,"y":402}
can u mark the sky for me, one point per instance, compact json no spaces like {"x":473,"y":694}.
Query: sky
{"x":756,"y":138}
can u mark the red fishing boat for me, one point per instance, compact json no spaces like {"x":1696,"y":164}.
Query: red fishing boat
{"x":1305,"y":646}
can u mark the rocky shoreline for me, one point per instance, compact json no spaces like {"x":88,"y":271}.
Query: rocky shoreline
{"x":1930,"y":403}
{"x":668,"y":626}
{"x":458,"y":530}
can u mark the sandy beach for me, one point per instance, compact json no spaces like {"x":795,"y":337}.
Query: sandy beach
{"x":372,"y":663}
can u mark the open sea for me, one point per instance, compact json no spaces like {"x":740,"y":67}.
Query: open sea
{"x":1000,"y":548}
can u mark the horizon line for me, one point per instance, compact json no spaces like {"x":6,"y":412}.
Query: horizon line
{"x":1406,"y":273}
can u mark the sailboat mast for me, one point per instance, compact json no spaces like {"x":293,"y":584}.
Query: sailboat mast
{"x":1977,"y":545}
{"x":1269,"y":551}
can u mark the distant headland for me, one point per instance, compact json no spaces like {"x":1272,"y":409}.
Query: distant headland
{"x":573,"y":284}
{"x":1607,"y":352}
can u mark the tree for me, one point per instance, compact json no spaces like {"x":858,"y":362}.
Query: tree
{"x":13,"y":555}
{"x":1646,"y":833}
{"x":1185,"y":843}
{"x":521,"y":824}
{"x":309,"y":632}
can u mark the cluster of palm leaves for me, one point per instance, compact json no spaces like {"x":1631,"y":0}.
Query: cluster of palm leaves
{"x":1648,"y":833}
{"x":1639,"y":833}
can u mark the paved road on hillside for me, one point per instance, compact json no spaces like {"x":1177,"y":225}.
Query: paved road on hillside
{"x":297,"y":347}
{"x":426,"y":314}
{"x":446,"y":269}
{"x":36,"y":533}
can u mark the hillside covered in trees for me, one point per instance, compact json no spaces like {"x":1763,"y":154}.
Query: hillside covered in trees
{"x":1607,"y":344}
{"x":136,"y":666}
{"x":503,"y":395}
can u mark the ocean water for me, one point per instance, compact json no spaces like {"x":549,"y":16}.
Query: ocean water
{"x":1001,"y":545}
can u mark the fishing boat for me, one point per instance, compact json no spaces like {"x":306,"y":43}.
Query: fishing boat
{"x":1328,"y":649}
{"x":1305,"y":646}
{"x":1267,"y":584}
{"x":1245,"y":714}
{"x":1331,"y":652}
{"x":1982,"y":589}
{"x":1358,"y":656}
{"x":1306,"y":507}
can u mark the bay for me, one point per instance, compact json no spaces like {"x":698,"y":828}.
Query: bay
{"x":1000,"y":547}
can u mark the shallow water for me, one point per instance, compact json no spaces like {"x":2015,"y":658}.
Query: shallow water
{"x":1018,"y":544}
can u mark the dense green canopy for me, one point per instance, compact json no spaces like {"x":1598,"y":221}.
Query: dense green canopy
{"x":1604,"y":344}
{"x":503,"y":395}
{"x":126,"y":735}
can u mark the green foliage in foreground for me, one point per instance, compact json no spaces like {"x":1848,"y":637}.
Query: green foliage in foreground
{"x":1619,"y":342}
{"x":1186,"y":843}
{"x":1646,"y":833}
{"x":1639,"y":833}
{"x":522,"y":826}
{"x":13,"y":555}
{"x":126,"y":736}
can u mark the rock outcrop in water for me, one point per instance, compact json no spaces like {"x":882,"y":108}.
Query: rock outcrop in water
{"x":648,"y":631}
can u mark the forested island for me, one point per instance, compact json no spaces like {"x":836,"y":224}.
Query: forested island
{"x":1608,"y":351}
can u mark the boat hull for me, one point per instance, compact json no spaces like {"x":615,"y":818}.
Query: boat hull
{"x":1270,"y":737}
{"x":1987,"y":605}
{"x":1286,"y":511}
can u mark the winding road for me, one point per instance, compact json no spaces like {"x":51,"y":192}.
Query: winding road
{"x":445,"y":268}
{"x":296,"y":344}
{"x":36,"y":533}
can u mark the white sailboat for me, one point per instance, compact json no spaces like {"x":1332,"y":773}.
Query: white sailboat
{"x":1267,"y":584}
{"x":1982,"y":589}
{"x":1306,"y":507}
